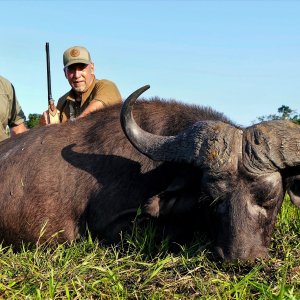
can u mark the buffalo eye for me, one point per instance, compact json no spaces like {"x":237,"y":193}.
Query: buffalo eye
{"x":268,"y":203}
{"x":267,"y":190}
{"x":265,"y":196}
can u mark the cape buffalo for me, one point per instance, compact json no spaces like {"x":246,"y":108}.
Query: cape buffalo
{"x":190,"y":167}
{"x":237,"y":177}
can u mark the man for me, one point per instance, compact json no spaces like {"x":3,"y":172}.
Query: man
{"x":87,"y":94}
{"x":11,"y":114}
{"x":52,"y":115}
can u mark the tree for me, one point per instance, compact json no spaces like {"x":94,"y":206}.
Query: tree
{"x":285,"y":113}
{"x":33,"y":120}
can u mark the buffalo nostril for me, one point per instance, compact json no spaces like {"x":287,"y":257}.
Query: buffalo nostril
{"x":241,"y":253}
{"x":262,"y":253}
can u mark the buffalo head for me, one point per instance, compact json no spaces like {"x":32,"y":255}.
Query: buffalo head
{"x":243,"y":175}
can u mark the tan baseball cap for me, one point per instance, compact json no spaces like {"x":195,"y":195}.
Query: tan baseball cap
{"x":76,"y":55}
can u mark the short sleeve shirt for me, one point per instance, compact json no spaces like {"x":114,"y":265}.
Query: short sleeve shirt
{"x":102,"y":90}
{"x":11,"y":113}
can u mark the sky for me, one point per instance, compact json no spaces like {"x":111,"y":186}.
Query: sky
{"x":241,"y":58}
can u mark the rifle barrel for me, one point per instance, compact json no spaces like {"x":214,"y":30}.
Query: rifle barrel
{"x":48,"y":72}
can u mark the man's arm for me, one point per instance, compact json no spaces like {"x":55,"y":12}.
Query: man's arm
{"x":106,"y":94}
{"x":93,"y":106}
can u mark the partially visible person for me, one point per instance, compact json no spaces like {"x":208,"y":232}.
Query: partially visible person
{"x":11,"y":114}
{"x":87,"y":93}
{"x":52,"y":115}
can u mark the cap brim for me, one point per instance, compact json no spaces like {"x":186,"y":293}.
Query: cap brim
{"x":78,"y":61}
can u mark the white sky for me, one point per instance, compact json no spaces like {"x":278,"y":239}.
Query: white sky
{"x":239,"y":57}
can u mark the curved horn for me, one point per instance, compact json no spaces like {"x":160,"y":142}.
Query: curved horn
{"x":272,"y":145}
{"x":208,"y":143}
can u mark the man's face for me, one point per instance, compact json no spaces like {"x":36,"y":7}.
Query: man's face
{"x":52,"y":106}
{"x":80,"y":76}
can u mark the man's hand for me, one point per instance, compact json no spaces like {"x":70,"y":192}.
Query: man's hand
{"x":18,"y":129}
{"x":44,"y":119}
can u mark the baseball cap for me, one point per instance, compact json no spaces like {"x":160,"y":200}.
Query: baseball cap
{"x":76,"y":55}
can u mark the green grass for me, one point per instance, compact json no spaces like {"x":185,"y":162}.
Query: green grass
{"x":140,"y":269}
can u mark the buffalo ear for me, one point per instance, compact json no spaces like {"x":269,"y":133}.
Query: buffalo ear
{"x":293,"y":190}
{"x":179,"y":198}
{"x":162,"y":203}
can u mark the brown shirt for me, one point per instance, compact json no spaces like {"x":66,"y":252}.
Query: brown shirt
{"x":102,"y":90}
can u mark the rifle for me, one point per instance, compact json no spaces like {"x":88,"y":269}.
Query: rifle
{"x":50,"y":99}
{"x":48,"y":73}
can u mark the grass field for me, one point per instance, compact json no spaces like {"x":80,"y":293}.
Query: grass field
{"x":143,"y":270}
